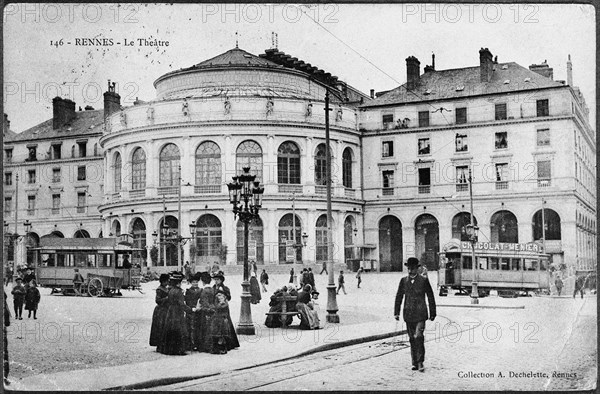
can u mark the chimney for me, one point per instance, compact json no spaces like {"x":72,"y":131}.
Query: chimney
{"x":412,"y":72}
{"x":372,"y":93}
{"x":569,"y":72}
{"x":63,"y":112}
{"x":431,"y":68}
{"x":486,"y":65}
{"x":543,"y":70}
{"x":6,"y":123}
{"x":112,"y":100}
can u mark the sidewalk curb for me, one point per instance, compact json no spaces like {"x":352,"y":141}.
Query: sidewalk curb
{"x":480,"y":306}
{"x":166,"y":381}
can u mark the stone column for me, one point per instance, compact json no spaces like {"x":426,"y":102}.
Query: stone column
{"x":270,"y":166}
{"x":270,"y":234}
{"x":152,"y":168}
{"x":230,"y":236}
{"x":227,"y":161}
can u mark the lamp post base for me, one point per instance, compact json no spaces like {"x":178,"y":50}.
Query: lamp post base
{"x":474,"y":294}
{"x":245,"y":325}
{"x":332,"y":308}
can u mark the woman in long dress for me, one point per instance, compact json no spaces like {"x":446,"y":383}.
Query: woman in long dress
{"x":232,"y":341}
{"x":160,"y":311}
{"x":205,"y":310}
{"x":174,"y":338}
{"x":255,"y":296}
{"x":219,"y":324}
{"x":309,"y":320}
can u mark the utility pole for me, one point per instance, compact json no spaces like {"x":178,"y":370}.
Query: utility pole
{"x":332,"y":308}
{"x":179,"y":239}
{"x":14,"y":241}
{"x":163,"y":235}
{"x":474,"y":291}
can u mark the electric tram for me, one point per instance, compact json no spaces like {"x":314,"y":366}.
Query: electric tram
{"x":509,"y":268}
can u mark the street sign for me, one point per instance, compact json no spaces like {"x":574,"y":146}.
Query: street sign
{"x":290,"y":251}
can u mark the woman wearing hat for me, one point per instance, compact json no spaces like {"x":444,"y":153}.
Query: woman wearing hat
{"x":415,"y":287}
{"x":174,"y":338}
{"x":254,"y":289}
{"x":192,"y":294}
{"x":204,"y":311}
{"x":219,"y":278}
{"x":160,"y":311}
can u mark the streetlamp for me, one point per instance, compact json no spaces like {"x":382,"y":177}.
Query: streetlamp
{"x":193,"y":228}
{"x":304,"y":238}
{"x":472,"y":233}
{"x":245,"y":195}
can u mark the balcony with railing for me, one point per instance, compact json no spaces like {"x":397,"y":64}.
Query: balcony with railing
{"x":319,"y":189}
{"x":424,"y":189}
{"x":286,"y":188}
{"x":167,"y":190}
{"x":544,"y":182}
{"x":81,"y":209}
{"x":387,"y":191}
{"x":350,"y":193}
{"x":116,"y":196}
{"x":137,"y":193}
{"x":56,"y":211}
{"x":462,"y":187}
{"x":501,"y":185}
{"x":207,"y":189}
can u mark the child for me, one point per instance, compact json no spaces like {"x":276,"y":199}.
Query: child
{"x":219,"y":329}
{"x":18,"y":293}
{"x":32,"y":299}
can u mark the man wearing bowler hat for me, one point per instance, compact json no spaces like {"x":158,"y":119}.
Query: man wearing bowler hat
{"x":415,"y":287}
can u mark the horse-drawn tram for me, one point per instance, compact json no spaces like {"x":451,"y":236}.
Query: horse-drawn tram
{"x":509,"y":268}
{"x":104,"y":264}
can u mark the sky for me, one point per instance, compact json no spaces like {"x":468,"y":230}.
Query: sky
{"x":364,"y":45}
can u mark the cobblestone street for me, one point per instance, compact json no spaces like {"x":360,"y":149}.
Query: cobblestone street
{"x":543,"y":335}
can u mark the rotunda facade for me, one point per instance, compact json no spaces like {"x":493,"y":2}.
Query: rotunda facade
{"x":168,"y":162}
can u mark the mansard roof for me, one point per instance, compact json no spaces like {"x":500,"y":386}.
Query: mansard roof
{"x":464,"y":82}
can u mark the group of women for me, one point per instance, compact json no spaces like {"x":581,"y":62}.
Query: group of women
{"x":305,"y":304}
{"x":196,"y":321}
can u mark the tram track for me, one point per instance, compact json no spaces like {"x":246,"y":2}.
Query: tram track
{"x":262,"y":376}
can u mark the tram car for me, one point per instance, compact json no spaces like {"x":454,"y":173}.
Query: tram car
{"x":508,"y":268}
{"x":104,"y":264}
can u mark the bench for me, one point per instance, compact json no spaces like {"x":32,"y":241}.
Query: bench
{"x":283,"y":300}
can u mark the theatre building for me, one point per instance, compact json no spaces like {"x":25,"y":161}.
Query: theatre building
{"x":168,"y":161}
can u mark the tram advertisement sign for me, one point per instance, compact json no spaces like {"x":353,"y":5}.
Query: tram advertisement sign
{"x":514,"y":247}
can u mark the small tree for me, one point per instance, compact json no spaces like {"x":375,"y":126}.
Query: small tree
{"x":154,"y":255}
{"x":223,"y":254}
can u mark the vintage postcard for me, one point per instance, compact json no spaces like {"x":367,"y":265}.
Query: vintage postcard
{"x":315,"y":197}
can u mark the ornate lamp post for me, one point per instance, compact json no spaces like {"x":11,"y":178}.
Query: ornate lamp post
{"x":245,"y":195}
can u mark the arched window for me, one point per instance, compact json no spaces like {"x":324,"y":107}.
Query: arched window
{"x":459,"y":225}
{"x":427,"y":241}
{"x":117,"y":172}
{"x":169,"y":165}
{"x":81,"y":234}
{"x":116,"y":228}
{"x":504,"y":227}
{"x":138,"y":229}
{"x":349,"y":235}
{"x":208,"y":164}
{"x":321,"y":239}
{"x":288,"y":163}
{"x":256,"y":248}
{"x":320,"y":165}
{"x":551,"y":221}
{"x":208,"y":238}
{"x":347,"y":168}
{"x":249,"y":154}
{"x":287,"y":229}
{"x":138,"y":164}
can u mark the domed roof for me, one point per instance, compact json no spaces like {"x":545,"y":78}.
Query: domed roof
{"x":236,"y":57}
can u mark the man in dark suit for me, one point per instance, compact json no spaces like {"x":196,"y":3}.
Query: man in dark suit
{"x":415,"y":287}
